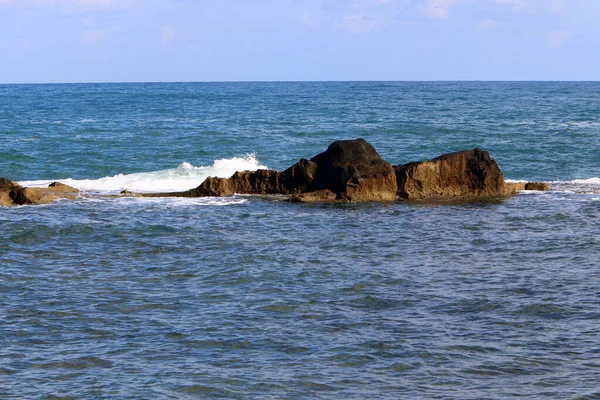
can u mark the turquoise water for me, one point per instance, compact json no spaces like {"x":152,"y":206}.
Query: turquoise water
{"x":249,"y":297}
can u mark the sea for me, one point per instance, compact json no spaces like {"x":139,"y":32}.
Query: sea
{"x":253,"y":297}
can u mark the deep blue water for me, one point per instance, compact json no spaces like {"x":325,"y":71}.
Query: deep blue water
{"x":250,"y":297}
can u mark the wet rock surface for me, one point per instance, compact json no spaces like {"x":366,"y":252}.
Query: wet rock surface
{"x":352,"y":170}
{"x":349,"y":170}
{"x":11,"y":193}
{"x":463,"y":175}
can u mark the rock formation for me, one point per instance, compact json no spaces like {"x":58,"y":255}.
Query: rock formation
{"x":11,"y":193}
{"x":464,"y":175}
{"x":351,"y":170}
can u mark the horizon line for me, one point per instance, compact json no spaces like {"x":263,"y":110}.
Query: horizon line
{"x":300,"y":81}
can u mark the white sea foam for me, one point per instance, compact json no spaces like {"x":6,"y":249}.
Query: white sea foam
{"x":582,"y":186}
{"x":515,"y":181}
{"x":576,"y":124}
{"x":178,"y":202}
{"x":184,"y":177}
{"x":589,"y":181}
{"x":522,"y":123}
{"x":589,"y":185}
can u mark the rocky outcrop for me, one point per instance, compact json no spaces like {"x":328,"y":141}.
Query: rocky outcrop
{"x":11,"y":193}
{"x":463,"y":175}
{"x":351,"y":170}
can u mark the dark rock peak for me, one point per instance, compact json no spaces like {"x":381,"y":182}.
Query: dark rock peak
{"x":347,"y":162}
{"x":7,"y":184}
{"x":342,"y":152}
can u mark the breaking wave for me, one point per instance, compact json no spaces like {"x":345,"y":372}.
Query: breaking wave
{"x":590,"y":185}
{"x":184,"y":177}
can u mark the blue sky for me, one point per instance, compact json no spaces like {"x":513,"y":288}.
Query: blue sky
{"x":247,"y":40}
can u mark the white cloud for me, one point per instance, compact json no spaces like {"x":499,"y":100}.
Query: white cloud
{"x":486,"y":25}
{"x":357,"y":23}
{"x":94,"y":3}
{"x":555,"y":5}
{"x":167,"y":35}
{"x":438,"y":8}
{"x":94,"y":35}
{"x":52,"y":3}
{"x":305,"y":19}
{"x":518,"y":5}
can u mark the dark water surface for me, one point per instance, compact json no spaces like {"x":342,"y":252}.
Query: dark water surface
{"x":249,"y":297}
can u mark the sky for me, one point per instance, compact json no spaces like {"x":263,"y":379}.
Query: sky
{"x":48,"y":41}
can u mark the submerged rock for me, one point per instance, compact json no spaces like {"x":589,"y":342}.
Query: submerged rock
{"x":541,"y":186}
{"x":11,"y":193}
{"x":519,"y":186}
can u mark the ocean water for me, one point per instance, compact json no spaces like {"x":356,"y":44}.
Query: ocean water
{"x":252,"y":297}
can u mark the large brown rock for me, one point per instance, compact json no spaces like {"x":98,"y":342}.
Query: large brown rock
{"x":11,"y":193}
{"x":355,"y":172}
{"x":350,"y":169}
{"x":464,"y":175}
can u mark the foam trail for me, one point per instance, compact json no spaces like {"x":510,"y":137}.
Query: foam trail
{"x":515,"y":180}
{"x":184,"y":177}
{"x":581,"y":186}
{"x":590,"y":185}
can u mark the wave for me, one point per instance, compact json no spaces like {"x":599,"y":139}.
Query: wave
{"x":184,"y":177}
{"x":583,"y":186}
{"x":555,"y":124}
{"x":575,"y":124}
{"x":579,"y":186}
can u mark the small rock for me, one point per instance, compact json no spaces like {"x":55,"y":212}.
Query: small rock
{"x":318,"y":196}
{"x":11,"y":193}
{"x":542,"y":186}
